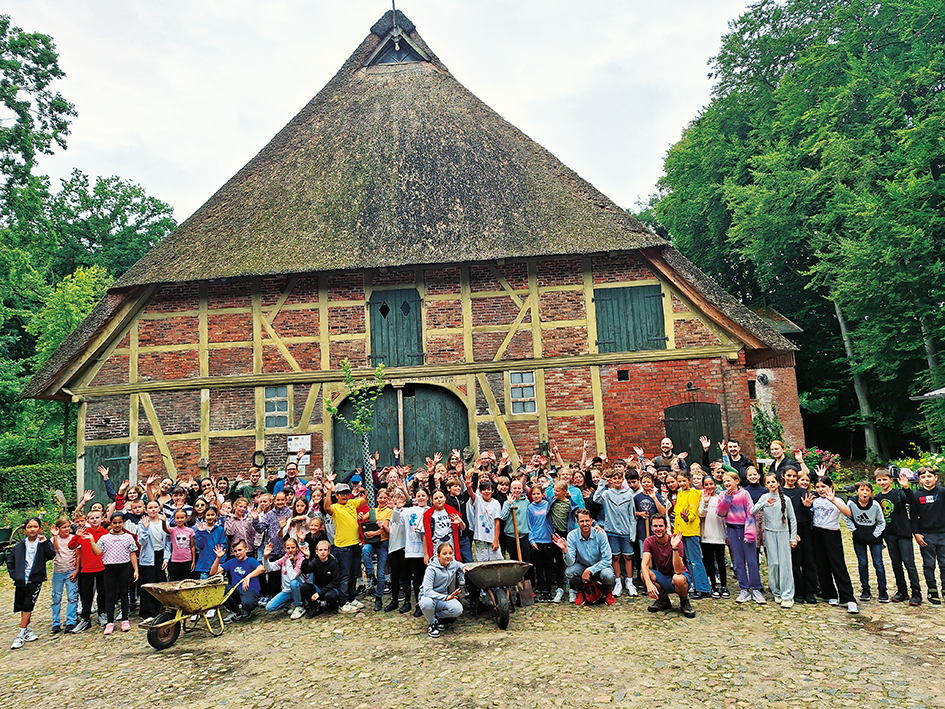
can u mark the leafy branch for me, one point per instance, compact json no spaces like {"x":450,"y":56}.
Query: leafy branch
{"x":362,"y":394}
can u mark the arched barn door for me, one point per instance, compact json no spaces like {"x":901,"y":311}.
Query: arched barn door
{"x":686,"y":422}
{"x":416,"y":418}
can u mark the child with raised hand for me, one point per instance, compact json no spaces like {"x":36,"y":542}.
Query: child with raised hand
{"x":26,"y":565}
{"x":780,"y":538}
{"x":290,"y":568}
{"x":735,"y":507}
{"x":898,"y":535}
{"x":207,"y":536}
{"x":183,"y":549}
{"x":437,"y":602}
{"x":867,"y":522}
{"x":688,"y":524}
{"x":484,"y":514}
{"x":244,"y":572}
{"x":65,"y":573}
{"x":414,"y":547}
{"x":928,"y":526}
{"x":804,"y":566}
{"x":540,"y":539}
{"x":835,"y":584}
{"x":616,"y":498}
{"x":239,"y":526}
{"x":119,"y":552}
{"x":713,"y":539}
{"x":441,"y":524}
{"x":91,"y":570}
{"x":320,"y":592}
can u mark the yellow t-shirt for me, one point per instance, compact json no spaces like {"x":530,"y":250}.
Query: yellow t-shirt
{"x":688,"y":500}
{"x":346,"y":522}
{"x":384,"y":513}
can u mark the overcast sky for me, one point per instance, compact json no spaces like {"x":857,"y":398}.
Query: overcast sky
{"x":177,"y":95}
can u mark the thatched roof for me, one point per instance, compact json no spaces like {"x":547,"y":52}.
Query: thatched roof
{"x":390,"y":165}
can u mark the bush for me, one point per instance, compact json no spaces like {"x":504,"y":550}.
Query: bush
{"x":920,"y":458}
{"x":766,"y":427}
{"x":815,"y":457}
{"x":27,"y":485}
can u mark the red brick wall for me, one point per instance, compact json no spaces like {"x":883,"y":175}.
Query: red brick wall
{"x":177,"y":412}
{"x":569,"y":434}
{"x":781,"y":390}
{"x":442,"y":281}
{"x":693,"y":333}
{"x":173,"y":331}
{"x":114,"y":370}
{"x":232,"y":409}
{"x":106,"y":417}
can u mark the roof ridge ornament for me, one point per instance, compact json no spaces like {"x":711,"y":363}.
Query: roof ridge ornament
{"x":395,"y":33}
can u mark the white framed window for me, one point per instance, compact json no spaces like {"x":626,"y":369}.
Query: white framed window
{"x":277,"y":407}
{"x":522,"y":398}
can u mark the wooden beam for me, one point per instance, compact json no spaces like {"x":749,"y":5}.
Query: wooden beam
{"x":159,"y":435}
{"x":286,"y":292}
{"x":467,"y":313}
{"x":598,"y":393}
{"x":203,"y":327}
{"x":587,"y":272}
{"x":513,"y":328}
{"x":418,"y":373}
{"x":506,"y":286}
{"x":310,"y":401}
{"x":257,"y":327}
{"x":281,"y":345}
{"x":497,"y":418}
{"x":80,"y":449}
{"x":323,"y":321}
{"x":204,"y":423}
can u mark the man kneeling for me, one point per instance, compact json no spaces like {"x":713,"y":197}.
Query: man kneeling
{"x":664,"y":571}
{"x":436,"y":600}
{"x":587,"y":557}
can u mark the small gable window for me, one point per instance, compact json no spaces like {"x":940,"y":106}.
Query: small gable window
{"x":392,"y":55}
{"x":277,"y":407}
{"x":630,"y":319}
{"x":522,"y":398}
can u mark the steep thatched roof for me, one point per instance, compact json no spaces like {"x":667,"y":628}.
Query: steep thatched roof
{"x":390,"y":165}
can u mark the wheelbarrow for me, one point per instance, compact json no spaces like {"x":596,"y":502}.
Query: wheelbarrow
{"x":183,"y":600}
{"x":498,"y":579}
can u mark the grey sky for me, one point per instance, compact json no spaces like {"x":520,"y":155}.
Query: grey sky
{"x":177,"y":95}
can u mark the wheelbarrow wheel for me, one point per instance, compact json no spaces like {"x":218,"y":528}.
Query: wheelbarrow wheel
{"x":161,"y":638}
{"x":502,"y":608}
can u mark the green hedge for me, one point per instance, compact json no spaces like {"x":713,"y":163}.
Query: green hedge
{"x":26,"y":485}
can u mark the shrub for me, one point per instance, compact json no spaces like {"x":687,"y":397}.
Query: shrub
{"x":27,"y":485}
{"x":919,"y":458}
{"x":815,"y":457}
{"x":766,"y":427}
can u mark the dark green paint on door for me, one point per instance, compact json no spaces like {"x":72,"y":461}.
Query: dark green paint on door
{"x":116,"y":458}
{"x":686,"y":422}
{"x":396,"y":328}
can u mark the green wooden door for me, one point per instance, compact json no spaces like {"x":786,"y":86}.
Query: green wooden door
{"x":686,"y":422}
{"x":116,"y":458}
{"x":396,"y":328}
{"x":434,"y":420}
{"x":630,"y":319}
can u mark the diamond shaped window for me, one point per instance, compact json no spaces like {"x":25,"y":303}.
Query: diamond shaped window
{"x":384,"y":310}
{"x":405,"y":308}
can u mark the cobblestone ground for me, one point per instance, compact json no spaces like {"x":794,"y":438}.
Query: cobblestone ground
{"x":551,"y":655}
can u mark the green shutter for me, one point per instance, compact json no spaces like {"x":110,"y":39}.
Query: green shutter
{"x":396,"y":328}
{"x":629,"y":319}
{"x":116,"y":458}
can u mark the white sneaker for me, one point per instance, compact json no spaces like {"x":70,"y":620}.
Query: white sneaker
{"x":834,"y":602}
{"x":743,"y":596}
{"x":787,"y":603}
{"x":348,"y":608}
{"x":572,"y":596}
{"x":19,"y":640}
{"x":212,"y":613}
{"x":102,"y":620}
{"x":357,"y":604}
{"x":618,"y":588}
{"x":297,"y":613}
{"x":852,"y":607}
{"x":759,"y":597}
{"x":559,"y":594}
{"x":632,"y":590}
{"x":29,"y":636}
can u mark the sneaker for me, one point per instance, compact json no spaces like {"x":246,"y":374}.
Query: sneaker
{"x":883,"y":597}
{"x":378,"y":604}
{"x":316,"y":611}
{"x":609,"y":599}
{"x":392,"y":606}
{"x":18,"y":641}
{"x":433,"y":630}
{"x":716,"y":594}
{"x":349,"y":608}
{"x":660,"y":604}
{"x":866,"y":597}
{"x":572,"y":596}
{"x":109,"y":628}
{"x":228,"y":618}
{"x":29,"y":636}
{"x":916,"y":599}
{"x":70,"y":628}
{"x":438,"y":623}
{"x":357,"y":604}
{"x":686,"y":608}
{"x":852,"y":607}
{"x":297,"y":613}
{"x":56,"y":630}
{"x":82,"y":626}
{"x":579,"y":599}
{"x":559,"y":594}
{"x":263,"y":600}
{"x":618,"y":589}
{"x":787,"y":603}
{"x":417,"y":612}
{"x":811,"y":599}
{"x":900,"y":597}
{"x":799,"y":599}
{"x":405,"y":608}
{"x":933,"y":597}
{"x":631,"y":590}
{"x":102,"y":619}
{"x":759,"y":597}
{"x":361,"y":590}
{"x":743,"y":596}
{"x":244,"y":615}
{"x":125,"y":626}
{"x":834,"y":602}
{"x":725,"y":592}
{"x":212,"y":613}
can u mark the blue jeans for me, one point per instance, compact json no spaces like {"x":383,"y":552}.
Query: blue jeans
{"x":284,"y":598}
{"x":692,"y":546}
{"x":379,"y":548}
{"x":863,"y":566}
{"x":60,"y":579}
{"x":349,"y":561}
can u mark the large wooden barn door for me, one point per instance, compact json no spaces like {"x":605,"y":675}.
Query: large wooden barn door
{"x":686,"y":422}
{"x":396,"y":328}
{"x":116,"y":458}
{"x":434,"y":419}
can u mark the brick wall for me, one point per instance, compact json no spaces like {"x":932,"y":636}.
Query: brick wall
{"x":114,"y":370}
{"x":781,"y":390}
{"x":106,"y":418}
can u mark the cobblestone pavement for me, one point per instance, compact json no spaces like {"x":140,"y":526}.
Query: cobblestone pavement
{"x":551,"y":655}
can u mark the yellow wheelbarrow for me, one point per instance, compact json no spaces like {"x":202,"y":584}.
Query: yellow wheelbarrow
{"x":183,"y":600}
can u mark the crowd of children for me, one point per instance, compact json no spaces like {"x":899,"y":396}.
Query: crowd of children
{"x":591,"y":529}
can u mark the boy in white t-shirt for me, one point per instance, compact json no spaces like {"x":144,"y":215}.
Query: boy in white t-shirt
{"x":484,"y":514}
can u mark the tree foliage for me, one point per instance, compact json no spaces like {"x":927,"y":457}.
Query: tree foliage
{"x":813,"y":177}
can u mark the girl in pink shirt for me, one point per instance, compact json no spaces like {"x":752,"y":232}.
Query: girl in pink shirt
{"x":119,"y":552}
{"x":183,"y":549}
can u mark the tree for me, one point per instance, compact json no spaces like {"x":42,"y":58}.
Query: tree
{"x":36,"y":118}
